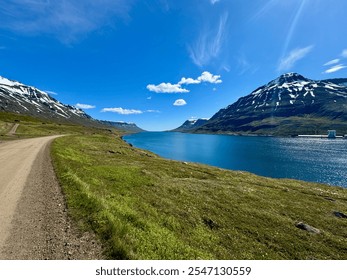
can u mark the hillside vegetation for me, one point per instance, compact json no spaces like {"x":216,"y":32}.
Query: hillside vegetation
{"x":142,"y":206}
{"x":35,"y":127}
{"x":146,"y":207}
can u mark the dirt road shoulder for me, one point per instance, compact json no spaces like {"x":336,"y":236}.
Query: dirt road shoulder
{"x":39,"y":227}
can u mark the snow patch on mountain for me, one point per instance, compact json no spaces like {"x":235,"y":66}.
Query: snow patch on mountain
{"x":7,"y":82}
{"x":19,"y":98}
{"x":288,"y":88}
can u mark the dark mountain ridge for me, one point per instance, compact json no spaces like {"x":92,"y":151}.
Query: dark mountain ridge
{"x":288,"y":105}
{"x":190,"y":125}
{"x":130,"y":127}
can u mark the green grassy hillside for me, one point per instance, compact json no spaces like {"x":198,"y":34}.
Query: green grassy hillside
{"x":35,"y":127}
{"x":142,"y":206}
{"x":145,"y":207}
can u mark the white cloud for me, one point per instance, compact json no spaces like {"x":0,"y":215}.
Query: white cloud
{"x":344,"y":53}
{"x":206,"y":77}
{"x":209,"y":78}
{"x":180,"y":102}
{"x":149,"y":97}
{"x":335,"y":68}
{"x":66,"y":20}
{"x":331,"y":62}
{"x":166,"y":88}
{"x":209,"y":43}
{"x":214,"y":1}
{"x":295,"y":55}
{"x":188,"y":81}
{"x":84,"y":106}
{"x":122,"y":111}
{"x":152,"y":111}
{"x":51,"y":92}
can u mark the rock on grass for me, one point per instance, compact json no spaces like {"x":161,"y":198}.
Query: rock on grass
{"x":340,"y":215}
{"x":307,"y":227}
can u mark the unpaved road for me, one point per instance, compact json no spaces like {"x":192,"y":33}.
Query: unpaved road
{"x":33,"y":219}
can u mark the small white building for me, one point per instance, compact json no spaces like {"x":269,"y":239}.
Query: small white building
{"x":331,"y":133}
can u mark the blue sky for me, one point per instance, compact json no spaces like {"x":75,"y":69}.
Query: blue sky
{"x":160,"y":62}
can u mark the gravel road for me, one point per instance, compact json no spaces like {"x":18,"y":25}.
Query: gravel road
{"x":33,"y":217}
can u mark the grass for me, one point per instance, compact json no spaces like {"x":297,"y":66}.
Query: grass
{"x":35,"y":127}
{"x":142,"y":206}
{"x":5,"y":127}
{"x":145,"y":207}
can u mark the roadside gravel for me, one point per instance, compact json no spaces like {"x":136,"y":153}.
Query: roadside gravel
{"x":33,"y":214}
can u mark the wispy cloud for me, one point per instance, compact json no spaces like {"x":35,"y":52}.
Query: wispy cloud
{"x":244,"y":65}
{"x":331,"y":62}
{"x":153,"y":111}
{"x":264,"y":9}
{"x":206,"y":77}
{"x":209,"y":43}
{"x":51,"y":92}
{"x":67,"y":20}
{"x":294,"y":13}
{"x":122,"y":111}
{"x":293,"y":25}
{"x":335,"y":68}
{"x":214,"y":1}
{"x":294,"y":56}
{"x":166,"y":88}
{"x":180,"y":102}
{"x":84,"y":106}
{"x":226,"y":68}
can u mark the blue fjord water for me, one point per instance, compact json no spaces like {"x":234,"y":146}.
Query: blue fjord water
{"x":315,"y":160}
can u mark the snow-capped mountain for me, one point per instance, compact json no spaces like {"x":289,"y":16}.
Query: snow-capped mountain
{"x":22,"y":99}
{"x":190,"y":125}
{"x":290,"y":104}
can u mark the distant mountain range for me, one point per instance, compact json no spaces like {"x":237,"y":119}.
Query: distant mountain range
{"x":22,"y":99}
{"x":288,"y":105}
{"x":130,"y":127}
{"x":190,"y":125}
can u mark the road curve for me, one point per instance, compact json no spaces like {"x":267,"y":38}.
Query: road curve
{"x":33,"y":219}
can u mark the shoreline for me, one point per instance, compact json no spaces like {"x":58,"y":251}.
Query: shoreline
{"x":225,"y":168}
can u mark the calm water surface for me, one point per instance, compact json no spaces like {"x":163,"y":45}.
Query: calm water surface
{"x":316,"y":160}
